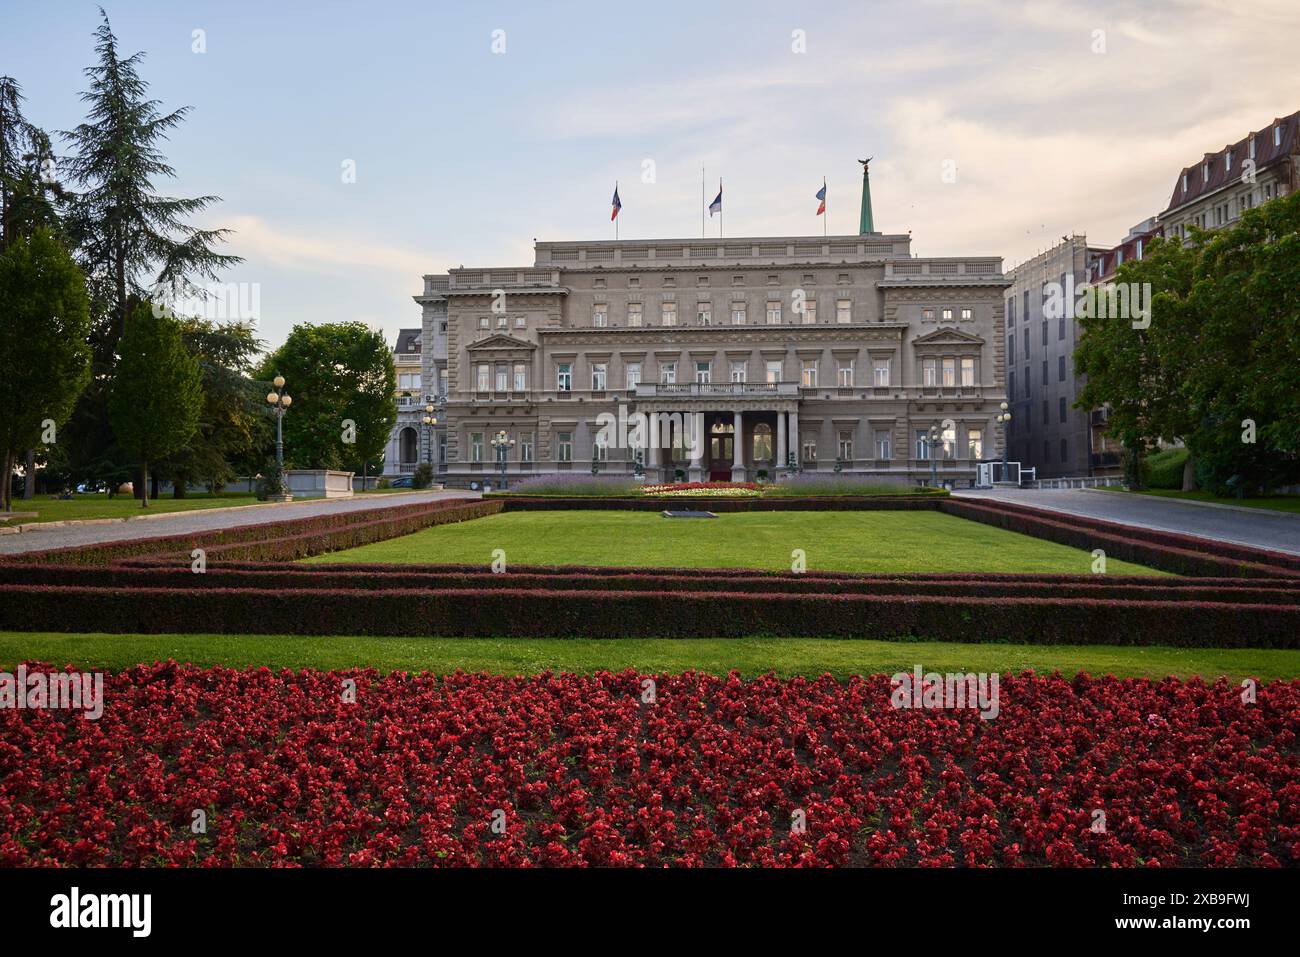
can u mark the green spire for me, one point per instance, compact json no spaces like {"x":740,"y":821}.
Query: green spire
{"x":866,"y":224}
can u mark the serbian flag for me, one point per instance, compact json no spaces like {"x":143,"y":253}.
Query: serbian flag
{"x":617,"y":204}
{"x":716,"y":205}
{"x":821,"y":194}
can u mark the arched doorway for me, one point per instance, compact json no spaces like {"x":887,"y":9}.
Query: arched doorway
{"x":408,"y":448}
{"x":722,"y":439}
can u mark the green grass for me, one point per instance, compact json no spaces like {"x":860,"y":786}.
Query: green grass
{"x":121,"y":506}
{"x":877,"y":541}
{"x":750,"y":656}
{"x":1277,"y":503}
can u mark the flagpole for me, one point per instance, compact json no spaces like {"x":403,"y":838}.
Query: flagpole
{"x":825,"y":215}
{"x":719,"y":208}
{"x":616,"y":218}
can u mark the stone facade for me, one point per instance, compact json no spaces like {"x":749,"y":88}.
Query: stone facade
{"x":411,"y":441}
{"x":813,"y":351}
{"x":1047,"y":433}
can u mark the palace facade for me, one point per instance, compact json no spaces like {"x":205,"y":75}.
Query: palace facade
{"x":821,"y":353}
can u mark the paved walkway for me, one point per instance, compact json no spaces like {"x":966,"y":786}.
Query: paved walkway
{"x":1278,"y":531}
{"x":177,"y":523}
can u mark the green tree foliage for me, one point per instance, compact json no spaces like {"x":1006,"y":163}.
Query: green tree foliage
{"x":44,"y":357}
{"x":27,"y":188}
{"x":233,"y":430}
{"x":132,"y":242}
{"x":157,"y":395}
{"x":336,"y":373}
{"x":1222,"y":351}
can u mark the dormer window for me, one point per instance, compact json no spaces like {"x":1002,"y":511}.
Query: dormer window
{"x":1253,"y":141}
{"x":1227,"y":161}
{"x":1205,"y":171}
{"x":1277,"y":135}
{"x":1184,"y":182}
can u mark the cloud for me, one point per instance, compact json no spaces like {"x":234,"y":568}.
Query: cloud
{"x":259,"y":241}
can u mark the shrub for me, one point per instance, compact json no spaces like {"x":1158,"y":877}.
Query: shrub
{"x":814,"y":483}
{"x":423,"y":476}
{"x":572,"y":483}
{"x":272,"y":483}
{"x":1164,"y":469}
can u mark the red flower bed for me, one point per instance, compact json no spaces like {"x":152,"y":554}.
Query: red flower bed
{"x":577,"y":770}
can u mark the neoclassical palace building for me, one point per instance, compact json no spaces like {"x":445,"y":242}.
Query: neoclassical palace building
{"x":813,"y":351}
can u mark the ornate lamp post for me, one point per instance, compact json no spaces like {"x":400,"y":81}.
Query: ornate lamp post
{"x":502,"y":443}
{"x":1004,"y":420}
{"x":430,"y":420}
{"x":279,"y":400}
{"x":933,"y":440}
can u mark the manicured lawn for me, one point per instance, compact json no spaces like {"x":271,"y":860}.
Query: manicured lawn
{"x":883,"y":541}
{"x":749,"y":656}
{"x":1277,"y":503}
{"x":121,"y":506}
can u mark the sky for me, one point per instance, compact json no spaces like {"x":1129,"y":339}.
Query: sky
{"x":474,"y":129}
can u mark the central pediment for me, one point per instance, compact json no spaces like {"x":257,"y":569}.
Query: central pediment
{"x":947,"y":336}
{"x":499,"y":343}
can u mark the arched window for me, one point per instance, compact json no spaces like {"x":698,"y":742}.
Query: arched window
{"x":763,"y":443}
{"x":408,"y":446}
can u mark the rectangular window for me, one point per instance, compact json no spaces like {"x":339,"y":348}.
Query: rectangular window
{"x":484,"y":374}
{"x":564,"y":377}
{"x":484,"y":322}
{"x":1026,"y":374}
{"x":634,"y":313}
{"x":598,"y":377}
{"x":929,"y":373}
{"x":880,"y":373}
{"x":1044,"y":372}
{"x":927,"y":313}
{"x":974,"y":444}
{"x":1044,"y":332}
{"x":668,"y":315}
{"x":502,"y":378}
{"x":738,"y":314}
{"x":668,"y":373}
{"x":773,"y":313}
{"x":632,"y":374}
{"x":966,"y":313}
{"x":564,"y":446}
{"x":1011,"y":384}
{"x":521,"y":377}
{"x":600,"y":451}
{"x":968,"y":371}
{"x":503,"y":322}
{"x":923,"y":445}
{"x":845,"y":374}
{"x":476,"y":446}
{"x":810,"y":312}
{"x":949,"y":437}
{"x":949,"y":372}
{"x":810,"y":451}
{"x":1026,"y":343}
{"x":1062,"y":409}
{"x":1060,"y":368}
{"x":521,"y":322}
{"x":844,"y":310}
{"x":704,"y":314}
{"x":1047,"y":450}
{"x":809,"y":378}
{"x":739,"y":371}
{"x":599,"y":317}
{"x":945,"y":313}
{"x":704,"y":372}
{"x":773,"y":370}
{"x":1065,"y":451}
{"x":525,"y":446}
{"x":844,"y":447}
{"x":884,"y":444}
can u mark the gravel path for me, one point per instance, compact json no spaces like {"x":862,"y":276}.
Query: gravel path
{"x":1278,"y":531}
{"x":203,"y":520}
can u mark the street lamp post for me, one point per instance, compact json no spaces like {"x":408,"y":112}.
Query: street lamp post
{"x":934,"y":440}
{"x":279,"y":400}
{"x":1004,"y":420}
{"x":502,"y":443}
{"x":429,"y":421}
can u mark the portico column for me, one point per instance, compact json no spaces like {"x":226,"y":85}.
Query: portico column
{"x":738,"y":449}
{"x":697,"y":447}
{"x":794,"y":436}
{"x":780,"y":444}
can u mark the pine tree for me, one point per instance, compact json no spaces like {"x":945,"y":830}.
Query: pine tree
{"x":26,"y":164}
{"x":157,"y":393}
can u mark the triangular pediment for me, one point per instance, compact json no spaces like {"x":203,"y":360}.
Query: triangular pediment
{"x":500,"y":341}
{"x":947,"y":337}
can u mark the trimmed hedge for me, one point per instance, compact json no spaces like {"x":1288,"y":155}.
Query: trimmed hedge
{"x":608,"y":614}
{"x":106,"y":552}
{"x":826,"y":503}
{"x":1180,"y":554}
{"x":426,"y":578}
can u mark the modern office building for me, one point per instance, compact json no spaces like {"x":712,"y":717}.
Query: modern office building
{"x":818,"y":352}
